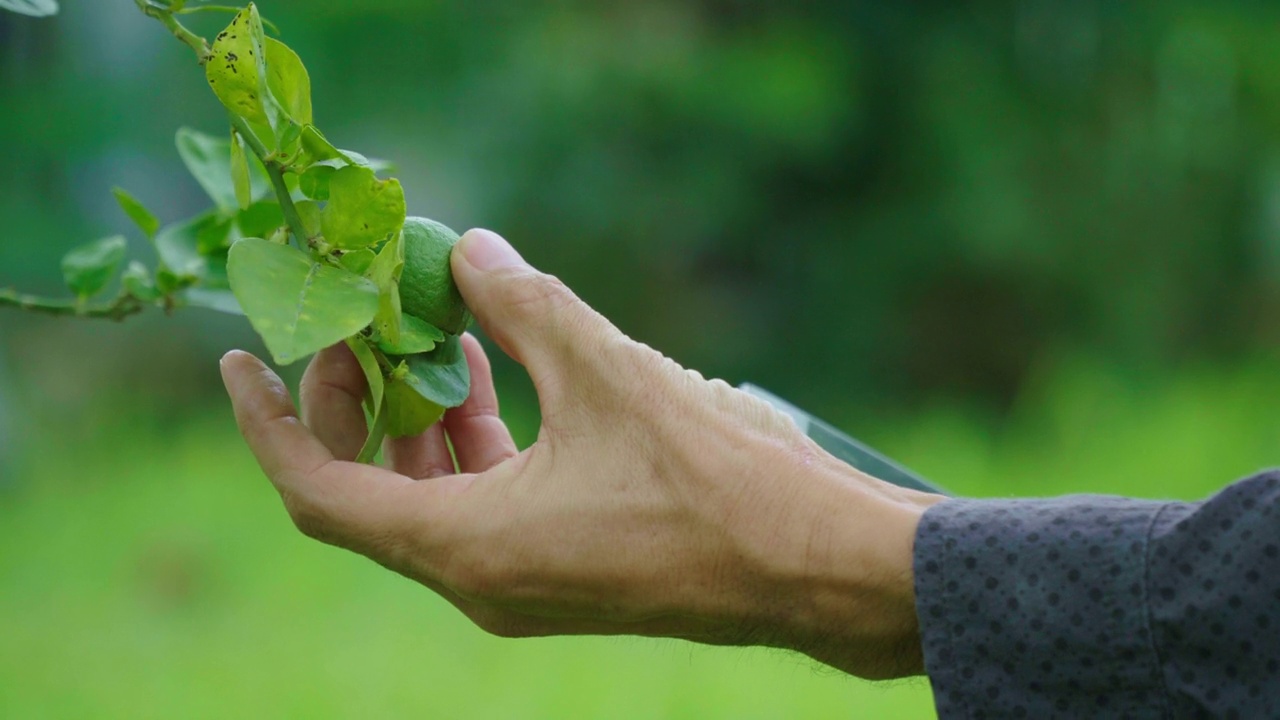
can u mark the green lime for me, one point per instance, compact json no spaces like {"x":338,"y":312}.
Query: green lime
{"x":427,"y":290}
{"x":408,"y":413}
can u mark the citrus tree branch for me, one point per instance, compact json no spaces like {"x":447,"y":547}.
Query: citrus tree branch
{"x":119,"y":308}
{"x":275,"y":171}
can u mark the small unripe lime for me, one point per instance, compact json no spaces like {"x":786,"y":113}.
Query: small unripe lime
{"x":427,"y":290}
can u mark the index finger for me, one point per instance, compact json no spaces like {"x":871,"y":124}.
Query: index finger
{"x":355,"y":506}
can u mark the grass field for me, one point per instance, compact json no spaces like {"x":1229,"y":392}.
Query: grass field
{"x":148,"y":571}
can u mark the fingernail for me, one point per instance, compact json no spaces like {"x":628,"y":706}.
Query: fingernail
{"x":486,"y":251}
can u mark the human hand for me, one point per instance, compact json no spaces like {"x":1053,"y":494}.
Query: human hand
{"x":654,"y":502}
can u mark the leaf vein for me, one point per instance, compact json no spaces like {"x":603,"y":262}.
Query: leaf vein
{"x":302,"y":301}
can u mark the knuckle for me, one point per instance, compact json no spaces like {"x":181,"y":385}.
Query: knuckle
{"x":654,"y":388}
{"x":539,"y":293}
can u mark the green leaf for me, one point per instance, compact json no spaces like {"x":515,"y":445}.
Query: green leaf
{"x":314,"y":182}
{"x":373,"y":401}
{"x":287,"y":136}
{"x":372,"y":372}
{"x":88,"y":268}
{"x":289,"y":82}
{"x":351,"y":157}
{"x":137,"y":281}
{"x":168,"y":282}
{"x":442,"y":375}
{"x":206,"y":158}
{"x":377,"y":431}
{"x":186,"y":247}
{"x":265,"y":134}
{"x":358,"y":261}
{"x":315,"y":147}
{"x":317,"y":150}
{"x":423,"y":385}
{"x":385,"y":271}
{"x":309,"y":213}
{"x":237,"y":71}
{"x":297,"y":305}
{"x":373,"y":164}
{"x":216,"y":235}
{"x":136,"y":211}
{"x":34,"y":8}
{"x":215,"y":275}
{"x":362,"y":210}
{"x":416,"y":336}
{"x":260,"y":218}
{"x":219,"y":299}
{"x":240,"y":172}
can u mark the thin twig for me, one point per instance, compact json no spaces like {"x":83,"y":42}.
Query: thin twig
{"x":120,"y":308}
{"x":164,"y":15}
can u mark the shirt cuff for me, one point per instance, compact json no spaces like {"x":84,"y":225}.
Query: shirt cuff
{"x":1037,"y":608}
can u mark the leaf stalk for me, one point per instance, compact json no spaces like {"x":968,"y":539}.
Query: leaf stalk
{"x":180,"y":31}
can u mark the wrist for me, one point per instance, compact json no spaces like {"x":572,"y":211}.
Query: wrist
{"x":846,"y":576}
{"x":797,"y":549}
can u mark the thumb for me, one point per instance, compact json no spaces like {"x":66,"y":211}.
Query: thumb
{"x":533,"y":316}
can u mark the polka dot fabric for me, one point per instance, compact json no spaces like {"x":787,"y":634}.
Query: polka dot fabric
{"x":1098,"y":606}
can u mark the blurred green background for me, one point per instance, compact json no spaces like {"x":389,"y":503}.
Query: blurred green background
{"x":1027,"y":248}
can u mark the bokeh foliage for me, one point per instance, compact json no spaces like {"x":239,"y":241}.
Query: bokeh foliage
{"x":906,"y":200}
{"x":1028,"y":247}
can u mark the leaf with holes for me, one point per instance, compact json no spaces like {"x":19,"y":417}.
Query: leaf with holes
{"x":358,"y":261}
{"x":362,"y":210}
{"x":237,"y":69}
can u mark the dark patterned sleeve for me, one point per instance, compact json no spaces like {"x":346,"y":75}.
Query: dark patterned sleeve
{"x":1098,"y":606}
